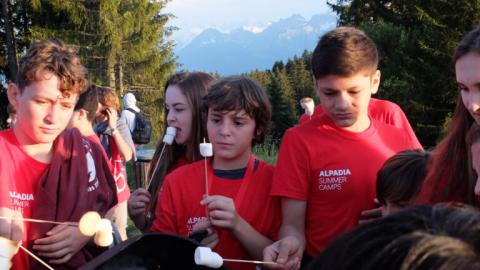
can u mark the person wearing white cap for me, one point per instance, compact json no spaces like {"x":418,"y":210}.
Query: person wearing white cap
{"x":129,"y":103}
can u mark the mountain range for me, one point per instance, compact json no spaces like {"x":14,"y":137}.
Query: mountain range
{"x":242,"y":50}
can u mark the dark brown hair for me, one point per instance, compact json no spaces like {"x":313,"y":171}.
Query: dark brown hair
{"x":194,"y":86}
{"x":236,"y":93}
{"x":451,"y":177}
{"x":88,"y":101}
{"x":401,"y":240}
{"x":52,"y":56}
{"x":401,"y":176}
{"x":344,"y":51}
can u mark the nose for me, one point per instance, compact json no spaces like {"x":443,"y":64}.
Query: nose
{"x":473,"y":101}
{"x":170,"y":117}
{"x":52,"y":113}
{"x":225,"y":129}
{"x":477,"y":187}
{"x":342,"y":102}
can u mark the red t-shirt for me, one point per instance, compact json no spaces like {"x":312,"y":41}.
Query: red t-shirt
{"x":119,"y":173}
{"x":179,"y":209}
{"x":334,"y":171}
{"x":382,"y":110}
{"x":20,"y":175}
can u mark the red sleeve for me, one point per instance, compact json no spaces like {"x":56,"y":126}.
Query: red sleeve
{"x":399,"y":119}
{"x":165,"y":211}
{"x":291,"y":177}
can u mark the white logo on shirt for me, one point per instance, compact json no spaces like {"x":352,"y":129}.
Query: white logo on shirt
{"x":333,"y":179}
{"x":194,"y":220}
{"x":93,"y":182}
{"x":20,"y":201}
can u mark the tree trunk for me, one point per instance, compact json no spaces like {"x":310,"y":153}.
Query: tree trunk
{"x":111,"y":75}
{"x":120,"y":79}
{"x":11,"y":42}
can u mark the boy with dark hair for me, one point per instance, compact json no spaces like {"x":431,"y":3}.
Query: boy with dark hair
{"x":241,"y":218}
{"x":400,"y":179}
{"x":38,"y":167}
{"x":326,"y":169}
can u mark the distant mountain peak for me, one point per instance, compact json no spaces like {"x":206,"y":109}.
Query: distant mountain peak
{"x":255,"y":46}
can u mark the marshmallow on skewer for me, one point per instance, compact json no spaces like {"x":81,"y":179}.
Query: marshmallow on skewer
{"x":206,"y":257}
{"x":169,"y":135}
{"x":104,"y":235}
{"x":89,"y":223}
{"x":8,"y":248}
{"x":206,"y":149}
{"x":308,"y":105}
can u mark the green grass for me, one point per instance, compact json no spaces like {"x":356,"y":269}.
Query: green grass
{"x":267,"y":151}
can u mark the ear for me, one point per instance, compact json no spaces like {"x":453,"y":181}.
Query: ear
{"x":13,"y":94}
{"x":375,"y":82}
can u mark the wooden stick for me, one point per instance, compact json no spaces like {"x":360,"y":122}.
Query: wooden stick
{"x":69,"y":223}
{"x":155,"y":168}
{"x":35,"y":257}
{"x":206,"y":177}
{"x":249,"y":261}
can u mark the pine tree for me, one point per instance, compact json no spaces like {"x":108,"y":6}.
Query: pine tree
{"x":283,"y":103}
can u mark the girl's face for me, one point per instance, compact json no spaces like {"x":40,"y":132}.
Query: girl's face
{"x":476,"y":165}
{"x":467,"y":70}
{"x":179,"y":113}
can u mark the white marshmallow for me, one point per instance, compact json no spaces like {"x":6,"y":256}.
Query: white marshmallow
{"x":206,"y":149}
{"x":308,"y":105}
{"x":103,"y":238}
{"x":8,"y":248}
{"x":169,"y":135}
{"x":5,"y":263}
{"x":206,"y":257}
{"x":89,"y":222}
{"x":104,"y":234}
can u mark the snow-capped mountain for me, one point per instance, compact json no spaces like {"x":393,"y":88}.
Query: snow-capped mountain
{"x":242,"y":51}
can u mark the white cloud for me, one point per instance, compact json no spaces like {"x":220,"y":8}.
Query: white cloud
{"x":256,"y":28}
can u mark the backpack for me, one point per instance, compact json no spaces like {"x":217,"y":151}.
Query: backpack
{"x":142,"y":130}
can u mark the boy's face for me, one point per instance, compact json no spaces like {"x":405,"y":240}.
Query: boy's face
{"x":390,"y":208}
{"x":179,"y":113}
{"x":42,"y":111}
{"x":467,"y":70}
{"x":231,"y":134}
{"x":345,"y":99}
{"x":476,"y":165}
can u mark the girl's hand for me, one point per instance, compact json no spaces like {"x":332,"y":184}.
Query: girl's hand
{"x":112,"y":117}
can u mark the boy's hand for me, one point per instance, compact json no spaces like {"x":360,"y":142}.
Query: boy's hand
{"x":211,"y":240}
{"x":371,"y":214}
{"x":286,"y":252}
{"x":60,"y":244}
{"x":222,"y":211}
{"x":11,"y":229}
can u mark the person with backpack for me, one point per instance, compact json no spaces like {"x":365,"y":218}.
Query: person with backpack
{"x":139,"y":125}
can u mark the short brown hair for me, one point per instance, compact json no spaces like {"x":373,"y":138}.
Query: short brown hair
{"x":344,"y":51}
{"x":401,"y":176}
{"x":107,"y":97}
{"x":88,"y":101}
{"x":237,"y":93}
{"x":51,"y":55}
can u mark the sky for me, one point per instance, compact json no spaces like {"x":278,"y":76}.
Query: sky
{"x":194,"y":16}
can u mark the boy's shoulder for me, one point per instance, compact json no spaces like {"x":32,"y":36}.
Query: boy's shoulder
{"x":312,"y":129}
